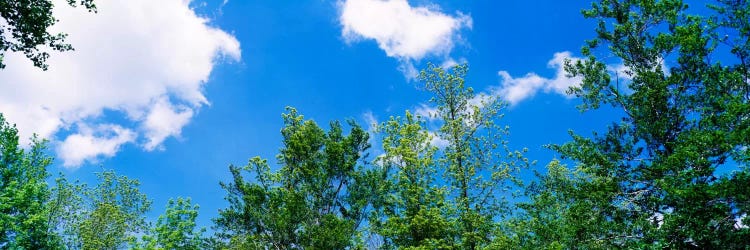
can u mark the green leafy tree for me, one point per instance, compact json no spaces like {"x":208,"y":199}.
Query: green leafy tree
{"x":175,"y":229}
{"x":415,"y":214}
{"x":24,"y":215}
{"x":480,"y":166}
{"x":113,"y":211}
{"x":24,"y":28}
{"x":653,"y":179}
{"x":66,"y":211}
{"x":317,"y":199}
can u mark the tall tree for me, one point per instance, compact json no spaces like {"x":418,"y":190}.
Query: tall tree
{"x":654,"y":178}
{"x":480,"y":166}
{"x":416,"y":213}
{"x":24,"y":215}
{"x":317,"y":199}
{"x":24,"y":28}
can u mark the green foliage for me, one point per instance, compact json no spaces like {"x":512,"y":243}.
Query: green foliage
{"x":480,"y":168}
{"x":651,"y":180}
{"x":112,"y":211}
{"x":24,"y":28}
{"x":24,"y":215}
{"x":317,"y":199}
{"x":415,"y":213}
{"x":103,"y":217}
{"x":66,"y":206}
{"x":551,"y":216}
{"x":68,"y":216}
{"x":175,"y":229}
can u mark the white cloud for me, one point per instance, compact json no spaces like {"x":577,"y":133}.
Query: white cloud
{"x":450,"y":62}
{"x":144,"y":60}
{"x":404,"y":32}
{"x":89,"y":143}
{"x":514,"y":90}
{"x":164,"y":120}
{"x":427,"y":112}
{"x":437,"y":141}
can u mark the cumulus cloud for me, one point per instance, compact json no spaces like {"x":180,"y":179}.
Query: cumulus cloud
{"x":516,"y":89}
{"x":164,"y":120}
{"x":404,"y":32}
{"x":146,"y":61}
{"x":88,"y":143}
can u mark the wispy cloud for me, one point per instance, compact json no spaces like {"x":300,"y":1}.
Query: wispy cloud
{"x":371,"y":121}
{"x":516,"y":89}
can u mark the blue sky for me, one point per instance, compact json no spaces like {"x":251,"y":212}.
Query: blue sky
{"x":171,"y":92}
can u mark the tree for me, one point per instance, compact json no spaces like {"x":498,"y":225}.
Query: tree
{"x":175,"y":229}
{"x":416,"y":214}
{"x":24,"y":215}
{"x":113,"y":210}
{"x":317,"y":199}
{"x":70,"y":215}
{"x":24,"y":29}
{"x":66,"y":211}
{"x":653,"y":178}
{"x":549,"y":218}
{"x":480,"y":166}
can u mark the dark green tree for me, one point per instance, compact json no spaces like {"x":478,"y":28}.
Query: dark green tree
{"x":317,"y":199}
{"x":24,"y":28}
{"x":548,"y":219}
{"x":653,"y":179}
{"x":24,"y":214}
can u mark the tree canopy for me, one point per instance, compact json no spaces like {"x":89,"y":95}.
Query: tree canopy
{"x":317,"y":199}
{"x":652,"y":178}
